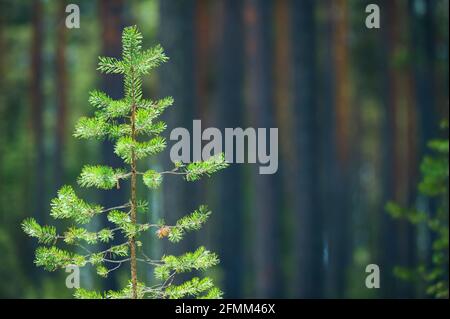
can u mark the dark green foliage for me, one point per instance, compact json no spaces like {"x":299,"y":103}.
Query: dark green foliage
{"x":434,"y":185}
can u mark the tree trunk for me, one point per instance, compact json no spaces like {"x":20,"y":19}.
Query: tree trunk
{"x":37,"y":110}
{"x":61,"y":95}
{"x":133,"y":199}
{"x":176,"y":34}
{"x":229,"y":114}
{"x":112,"y":23}
{"x":426,"y":123}
{"x":308,"y":236}
{"x":339,"y":182}
{"x":399,"y":162}
{"x":283,"y":111}
{"x":261,"y":115}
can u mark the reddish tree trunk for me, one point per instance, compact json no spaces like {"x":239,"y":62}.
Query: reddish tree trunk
{"x":261,"y":115}
{"x":37,"y":109}
{"x":112,"y":22}
{"x":61,"y":95}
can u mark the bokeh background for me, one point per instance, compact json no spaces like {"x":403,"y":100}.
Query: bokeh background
{"x":354,"y":108}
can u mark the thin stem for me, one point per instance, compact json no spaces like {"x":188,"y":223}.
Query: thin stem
{"x":133,"y":192}
{"x":174,"y":173}
{"x":116,"y":261}
{"x":116,"y":207}
{"x":103,"y":252}
{"x":112,"y":269}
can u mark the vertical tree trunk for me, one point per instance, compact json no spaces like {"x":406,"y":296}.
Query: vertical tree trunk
{"x":202,"y":49}
{"x":338,"y":213}
{"x":201,"y":104}
{"x":398,"y":248}
{"x":424,"y":61}
{"x":260,"y":114}
{"x":283,"y":112}
{"x":112,"y":22}
{"x":423,"y":34}
{"x":37,"y":109}
{"x":133,"y":200}
{"x":387,"y":251}
{"x":438,"y":17}
{"x":176,"y":34}
{"x":229,"y":114}
{"x":2,"y":100}
{"x":61,"y":94}
{"x":304,"y":171}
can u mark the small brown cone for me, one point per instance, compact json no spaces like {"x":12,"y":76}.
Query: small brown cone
{"x":163,"y":232}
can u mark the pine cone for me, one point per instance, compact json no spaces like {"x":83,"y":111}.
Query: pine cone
{"x":163,"y":232}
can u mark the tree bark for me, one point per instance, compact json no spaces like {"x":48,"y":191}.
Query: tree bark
{"x":230,"y":232}
{"x":112,"y":22}
{"x":133,"y":199}
{"x":261,"y":115}
{"x":61,"y":94}
{"x":399,"y":151}
{"x":303,"y":168}
{"x":338,"y":181}
{"x":37,"y":109}
{"x":177,"y":79}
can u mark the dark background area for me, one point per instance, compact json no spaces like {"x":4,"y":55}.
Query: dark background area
{"x":354,"y":108}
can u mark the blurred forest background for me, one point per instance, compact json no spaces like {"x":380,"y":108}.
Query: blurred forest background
{"x":355,"y":108}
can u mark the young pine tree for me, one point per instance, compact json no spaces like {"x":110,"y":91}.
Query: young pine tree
{"x":127,"y":121}
{"x":433,"y":186}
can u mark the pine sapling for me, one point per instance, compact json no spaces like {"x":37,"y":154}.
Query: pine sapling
{"x":129,"y":122}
